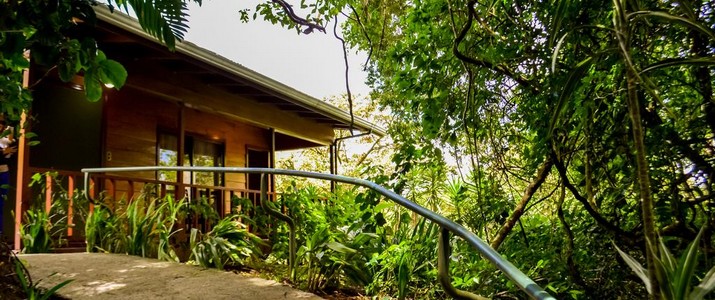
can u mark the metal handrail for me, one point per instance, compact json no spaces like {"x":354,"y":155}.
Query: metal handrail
{"x":525,"y":283}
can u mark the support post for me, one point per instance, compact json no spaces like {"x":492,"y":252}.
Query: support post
{"x":443,"y":253}
{"x":331,"y":151}
{"x":181,"y":141}
{"x":23,"y":165}
{"x":284,"y":218}
{"x":23,"y":175}
{"x":272,"y":158}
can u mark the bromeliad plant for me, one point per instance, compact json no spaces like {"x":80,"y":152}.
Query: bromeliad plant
{"x":675,"y":276}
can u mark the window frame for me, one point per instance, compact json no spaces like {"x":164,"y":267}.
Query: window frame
{"x":190,"y":139}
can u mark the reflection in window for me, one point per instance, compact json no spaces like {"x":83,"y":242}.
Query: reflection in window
{"x":199,"y":153}
{"x":167,"y":156}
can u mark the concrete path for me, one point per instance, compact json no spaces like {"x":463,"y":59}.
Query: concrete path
{"x":114,"y":276}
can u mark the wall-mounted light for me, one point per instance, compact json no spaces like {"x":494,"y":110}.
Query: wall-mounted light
{"x":77,"y":82}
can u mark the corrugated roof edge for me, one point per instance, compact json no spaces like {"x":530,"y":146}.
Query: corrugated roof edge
{"x":130,"y":24}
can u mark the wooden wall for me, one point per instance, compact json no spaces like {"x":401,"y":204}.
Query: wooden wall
{"x":133,"y":119}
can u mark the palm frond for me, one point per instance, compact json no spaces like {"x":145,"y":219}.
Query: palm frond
{"x":166,"y":20}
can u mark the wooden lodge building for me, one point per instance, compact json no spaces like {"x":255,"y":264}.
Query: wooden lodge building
{"x":190,"y":107}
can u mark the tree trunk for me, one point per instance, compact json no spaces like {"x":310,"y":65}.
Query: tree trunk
{"x":643,"y":180}
{"x":525,"y":198}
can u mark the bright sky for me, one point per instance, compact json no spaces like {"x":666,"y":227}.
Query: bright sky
{"x":312,"y":63}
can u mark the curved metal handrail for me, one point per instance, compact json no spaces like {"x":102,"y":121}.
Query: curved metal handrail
{"x":513,"y":273}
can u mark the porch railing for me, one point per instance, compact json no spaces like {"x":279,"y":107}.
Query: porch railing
{"x":448,"y":226}
{"x":124,"y":187}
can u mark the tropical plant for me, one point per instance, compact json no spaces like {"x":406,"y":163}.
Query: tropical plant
{"x":228,"y":243}
{"x":47,"y":31}
{"x":42,"y":231}
{"x":16,"y":281}
{"x":675,"y":277}
{"x":102,"y":231}
{"x":144,"y":226}
{"x":36,"y":232}
{"x":32,"y":290}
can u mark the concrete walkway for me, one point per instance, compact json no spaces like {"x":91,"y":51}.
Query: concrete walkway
{"x":114,"y":276}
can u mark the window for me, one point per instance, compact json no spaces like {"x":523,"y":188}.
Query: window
{"x":198,"y":152}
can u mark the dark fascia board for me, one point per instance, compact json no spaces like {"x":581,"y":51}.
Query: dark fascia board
{"x":213,"y":59}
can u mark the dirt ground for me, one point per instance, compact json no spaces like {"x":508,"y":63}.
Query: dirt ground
{"x":114,"y":276}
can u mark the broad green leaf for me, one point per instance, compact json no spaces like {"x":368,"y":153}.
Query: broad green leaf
{"x":112,"y":72}
{"x":667,"y":258}
{"x":341,"y":248}
{"x":51,"y":292}
{"x":383,"y":205}
{"x":92,"y":86}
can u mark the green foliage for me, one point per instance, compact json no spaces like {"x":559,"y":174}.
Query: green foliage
{"x":619,"y":96}
{"x":39,"y":233}
{"x":165,"y":20}
{"x":147,"y":226}
{"x":227,"y":243}
{"x":44,"y":230}
{"x":675,"y":277}
{"x":32,"y":290}
{"x":143,"y":227}
{"x":54,"y":34}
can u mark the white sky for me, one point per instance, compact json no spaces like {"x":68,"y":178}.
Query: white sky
{"x":311,"y":63}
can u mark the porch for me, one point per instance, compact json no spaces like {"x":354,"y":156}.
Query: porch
{"x":66,"y":188}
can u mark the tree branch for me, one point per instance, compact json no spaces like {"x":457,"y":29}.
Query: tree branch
{"x":519,"y":210}
{"x":347,"y":75}
{"x":570,"y":263}
{"x":482,"y":62}
{"x":288,"y":9}
{"x":364,"y":32}
{"x":596,"y":216}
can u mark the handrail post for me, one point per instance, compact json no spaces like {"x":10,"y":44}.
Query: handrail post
{"x":443,"y":253}
{"x":287,"y":219}
{"x":86,"y":187}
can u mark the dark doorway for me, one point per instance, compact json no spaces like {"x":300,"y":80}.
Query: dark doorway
{"x":256,"y":159}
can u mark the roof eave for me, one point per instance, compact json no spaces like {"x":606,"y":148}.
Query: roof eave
{"x":128,"y":23}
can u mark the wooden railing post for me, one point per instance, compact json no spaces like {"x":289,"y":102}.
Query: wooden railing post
{"x":48,"y":193}
{"x":70,"y":203}
{"x":92,"y":183}
{"x":130,"y":191}
{"x":162,"y":190}
{"x":112,"y":190}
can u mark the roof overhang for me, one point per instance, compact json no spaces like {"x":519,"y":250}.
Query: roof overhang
{"x":272,"y":91}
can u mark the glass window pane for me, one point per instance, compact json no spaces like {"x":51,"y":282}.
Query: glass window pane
{"x":206,"y":154}
{"x":167,"y":156}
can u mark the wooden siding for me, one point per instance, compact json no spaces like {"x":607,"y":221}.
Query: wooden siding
{"x":251,"y":111}
{"x":133,"y":119}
